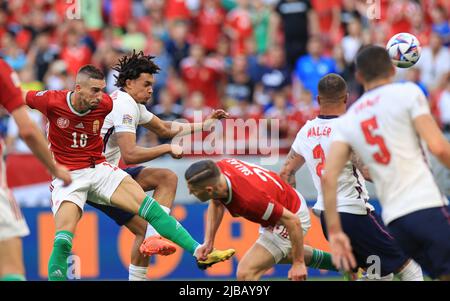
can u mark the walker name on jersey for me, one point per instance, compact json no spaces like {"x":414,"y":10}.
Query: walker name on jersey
{"x":318,"y":131}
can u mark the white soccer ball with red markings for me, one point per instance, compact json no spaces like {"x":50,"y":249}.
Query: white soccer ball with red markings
{"x":404,"y":50}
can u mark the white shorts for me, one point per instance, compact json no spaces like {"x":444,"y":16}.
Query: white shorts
{"x":276,"y":239}
{"x":94,"y":184}
{"x":12,"y":223}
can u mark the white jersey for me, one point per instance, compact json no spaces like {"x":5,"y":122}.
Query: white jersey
{"x":313,"y":143}
{"x":379,"y":127}
{"x":125,"y":116}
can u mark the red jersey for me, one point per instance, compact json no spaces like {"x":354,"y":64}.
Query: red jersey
{"x":257,"y":194}
{"x":10,"y":93}
{"x":74,"y":137}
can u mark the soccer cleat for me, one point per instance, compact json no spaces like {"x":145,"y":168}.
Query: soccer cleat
{"x":214,"y":257}
{"x":156,"y":245}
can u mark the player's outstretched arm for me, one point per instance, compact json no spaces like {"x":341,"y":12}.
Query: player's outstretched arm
{"x":293,"y":225}
{"x":293,"y":163}
{"x":341,"y":251}
{"x":213,"y":221}
{"x":30,"y":133}
{"x":429,"y":131}
{"x":134,"y":154}
{"x":170,"y":129}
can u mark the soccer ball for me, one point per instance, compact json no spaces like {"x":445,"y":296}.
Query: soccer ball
{"x":404,"y":50}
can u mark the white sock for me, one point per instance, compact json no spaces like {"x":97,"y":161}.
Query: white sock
{"x":136,"y":273}
{"x":366,"y":277}
{"x":150,"y":230}
{"x":411,"y":272}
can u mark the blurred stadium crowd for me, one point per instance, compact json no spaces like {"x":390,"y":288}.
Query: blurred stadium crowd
{"x":257,"y":59}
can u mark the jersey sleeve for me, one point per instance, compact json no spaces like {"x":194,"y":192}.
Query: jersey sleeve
{"x":144,"y":115}
{"x":125,"y":119}
{"x":38,"y":100}
{"x":10,"y":92}
{"x":267,"y":209}
{"x":296,"y":146}
{"x":419,"y":104}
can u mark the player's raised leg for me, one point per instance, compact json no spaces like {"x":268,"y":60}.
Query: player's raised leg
{"x":130,"y":196}
{"x":66,"y":220}
{"x":163,"y":182}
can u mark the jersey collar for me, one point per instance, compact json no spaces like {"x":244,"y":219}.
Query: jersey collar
{"x":230,"y":190}
{"x":72,"y":108}
{"x":327,"y":116}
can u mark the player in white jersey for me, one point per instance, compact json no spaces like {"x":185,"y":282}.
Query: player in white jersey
{"x":135,"y":81}
{"x":386,"y":127}
{"x":367,"y":233}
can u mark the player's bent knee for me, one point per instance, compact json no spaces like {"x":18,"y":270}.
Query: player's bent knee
{"x":169,"y":179}
{"x":246,"y":274}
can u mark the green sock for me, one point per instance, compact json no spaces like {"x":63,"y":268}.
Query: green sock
{"x":57,"y":265}
{"x":321,"y":260}
{"x":13,"y":277}
{"x":166,"y":225}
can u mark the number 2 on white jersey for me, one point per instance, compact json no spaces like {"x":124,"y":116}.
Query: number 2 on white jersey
{"x":318,"y":153}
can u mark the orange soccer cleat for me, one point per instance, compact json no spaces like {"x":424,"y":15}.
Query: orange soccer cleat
{"x":157,"y":245}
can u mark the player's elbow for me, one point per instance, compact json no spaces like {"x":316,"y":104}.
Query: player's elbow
{"x":128,"y":158}
{"x":28,"y":133}
{"x":439,"y":148}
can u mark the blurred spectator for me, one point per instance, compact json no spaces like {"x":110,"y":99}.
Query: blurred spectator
{"x":209,"y":23}
{"x":239,"y":87}
{"x":74,"y":53}
{"x":419,"y":28}
{"x":304,"y":109}
{"x":11,"y":53}
{"x":164,"y":61}
{"x":413,"y":75}
{"x":133,"y":39}
{"x":312,"y":67}
{"x":14,"y":144}
{"x":352,"y":42}
{"x":195,"y":108}
{"x":434,"y":62}
{"x":275,"y":76}
{"x":328,"y":13}
{"x":238,"y":26}
{"x":42,"y":54}
{"x":121,"y":13}
{"x":203,"y":74}
{"x":298,"y":22}
{"x":441,"y":23}
{"x":176,"y":10}
{"x":399,"y":15}
{"x":264,"y":25}
{"x":167,"y":109}
{"x":444,"y":107}
{"x":178,"y":46}
{"x":349,"y":12}
{"x":57,"y":77}
{"x":91,"y":11}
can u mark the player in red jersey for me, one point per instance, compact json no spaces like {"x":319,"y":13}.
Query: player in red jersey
{"x":258,"y":195}
{"x":75,"y":119}
{"x":12,"y":223}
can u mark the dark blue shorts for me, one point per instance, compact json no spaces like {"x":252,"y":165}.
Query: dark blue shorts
{"x":369,"y":236}
{"x":121,"y":217}
{"x":425,"y":236}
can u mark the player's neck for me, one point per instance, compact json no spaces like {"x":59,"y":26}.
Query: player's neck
{"x":76,"y":103}
{"x":332,"y":110}
{"x":377,"y":83}
{"x":223,"y":188}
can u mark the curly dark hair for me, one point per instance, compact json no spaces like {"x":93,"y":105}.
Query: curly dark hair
{"x":131,"y":67}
